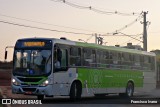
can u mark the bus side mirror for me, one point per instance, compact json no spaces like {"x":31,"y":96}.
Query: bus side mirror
{"x":6,"y":54}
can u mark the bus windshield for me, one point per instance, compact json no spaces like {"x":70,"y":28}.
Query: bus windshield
{"x":32,"y":62}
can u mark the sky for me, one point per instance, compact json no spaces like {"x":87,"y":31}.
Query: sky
{"x":56,"y":15}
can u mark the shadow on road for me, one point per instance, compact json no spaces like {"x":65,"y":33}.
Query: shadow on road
{"x":89,"y":100}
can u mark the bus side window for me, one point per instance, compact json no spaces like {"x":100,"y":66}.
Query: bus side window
{"x":60,"y":58}
{"x":141,"y":61}
{"x":119,"y":58}
{"x":137,"y":62}
{"x":75,"y":56}
{"x":101,"y":59}
{"x":153,"y":63}
{"x":146,"y":64}
{"x":57,"y":57}
{"x":87,"y":57}
{"x":93,"y":58}
{"x":105,"y":58}
{"x":110,"y":58}
{"x":64,"y":58}
{"x":126,"y":61}
{"x":149,"y":63}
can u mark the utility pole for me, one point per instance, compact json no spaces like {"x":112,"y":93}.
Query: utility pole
{"x":144,"y":31}
{"x":98,"y":40}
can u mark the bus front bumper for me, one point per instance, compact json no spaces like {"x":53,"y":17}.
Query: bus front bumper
{"x":32,"y":90}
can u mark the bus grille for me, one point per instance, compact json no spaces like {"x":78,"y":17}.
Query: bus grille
{"x":25,"y":84}
{"x":29,"y":89}
{"x":29,"y":79}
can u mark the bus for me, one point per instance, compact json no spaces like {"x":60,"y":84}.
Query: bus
{"x":48,"y":67}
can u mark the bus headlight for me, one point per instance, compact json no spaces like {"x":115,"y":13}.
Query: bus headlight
{"x":15,"y":82}
{"x":45,"y":83}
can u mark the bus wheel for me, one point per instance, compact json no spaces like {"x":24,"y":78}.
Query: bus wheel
{"x":129,"y":89}
{"x":75,"y":91}
{"x":40,"y":97}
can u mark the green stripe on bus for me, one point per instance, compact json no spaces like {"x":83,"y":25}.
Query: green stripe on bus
{"x":109,"y":78}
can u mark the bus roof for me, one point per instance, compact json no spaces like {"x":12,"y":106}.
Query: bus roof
{"x":114,"y":48}
{"x":93,"y":45}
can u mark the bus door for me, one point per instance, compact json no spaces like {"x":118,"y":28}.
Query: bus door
{"x":60,"y":61}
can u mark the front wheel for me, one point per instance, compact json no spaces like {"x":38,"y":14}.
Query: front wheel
{"x":75,"y":91}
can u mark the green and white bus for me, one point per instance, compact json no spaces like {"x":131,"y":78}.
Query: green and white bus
{"x":48,"y":67}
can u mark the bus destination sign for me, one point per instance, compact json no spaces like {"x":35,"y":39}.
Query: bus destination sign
{"x":32,"y":44}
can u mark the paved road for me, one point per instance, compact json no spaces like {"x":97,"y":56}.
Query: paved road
{"x":108,"y":101}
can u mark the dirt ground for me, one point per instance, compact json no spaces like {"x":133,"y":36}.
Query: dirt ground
{"x":5,"y":77}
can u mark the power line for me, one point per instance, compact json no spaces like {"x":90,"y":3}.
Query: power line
{"x":95,"y":9}
{"x":128,"y":25}
{"x":104,"y":12}
{"x":131,"y":40}
{"x":116,"y":34}
{"x":44,"y":23}
{"x":130,"y":36}
{"x":123,"y":34}
{"x":22,"y":25}
{"x":89,"y":38}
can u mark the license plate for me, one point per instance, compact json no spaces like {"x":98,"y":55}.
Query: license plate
{"x":28,"y":92}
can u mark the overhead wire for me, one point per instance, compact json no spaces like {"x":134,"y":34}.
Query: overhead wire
{"x":128,"y":25}
{"x":8,"y":16}
{"x":54,"y":30}
{"x":77,"y":6}
{"x":89,"y":38}
{"x":132,"y":39}
{"x":95,"y":9}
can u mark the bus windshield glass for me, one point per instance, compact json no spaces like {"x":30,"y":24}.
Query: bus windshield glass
{"x":32,"y":62}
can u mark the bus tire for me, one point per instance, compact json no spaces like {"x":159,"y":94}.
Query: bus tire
{"x":75,"y":91}
{"x":40,"y":97}
{"x":129,"y":89}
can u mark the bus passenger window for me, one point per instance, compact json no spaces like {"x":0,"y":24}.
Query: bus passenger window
{"x":87,"y":57}
{"x":60,"y":59}
{"x":57,"y":57}
{"x":141,"y":61}
{"x":105,"y":59}
{"x":152,"y":63}
{"x":100,"y":59}
{"x":93,"y":58}
{"x":75,"y":56}
{"x":146,"y":63}
{"x":64,"y":58}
